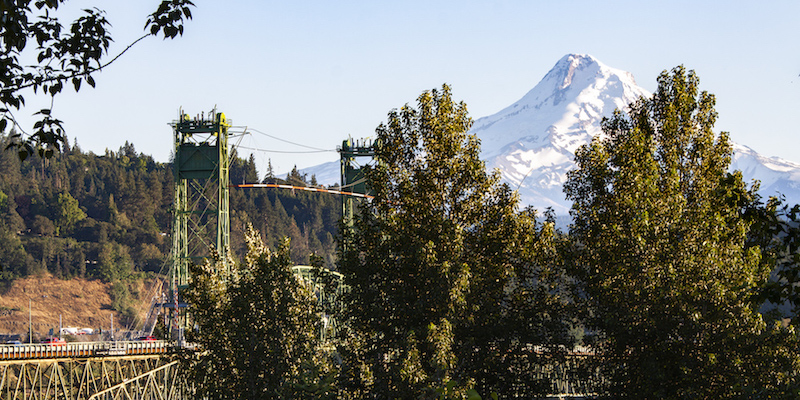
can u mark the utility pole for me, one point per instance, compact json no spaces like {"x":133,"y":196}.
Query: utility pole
{"x":30,"y":325}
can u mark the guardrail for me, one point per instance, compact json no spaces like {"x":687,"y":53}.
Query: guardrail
{"x":82,"y":349}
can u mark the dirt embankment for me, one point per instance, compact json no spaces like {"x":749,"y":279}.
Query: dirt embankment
{"x":80,"y":303}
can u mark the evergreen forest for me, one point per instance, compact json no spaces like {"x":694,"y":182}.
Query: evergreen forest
{"x":449,"y":289}
{"x":108,"y":217}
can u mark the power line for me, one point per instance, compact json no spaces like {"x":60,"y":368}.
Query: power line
{"x":307,"y":189}
{"x":287,"y":141}
{"x":287,"y":151}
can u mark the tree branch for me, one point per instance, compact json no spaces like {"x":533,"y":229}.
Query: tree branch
{"x":74,"y":74}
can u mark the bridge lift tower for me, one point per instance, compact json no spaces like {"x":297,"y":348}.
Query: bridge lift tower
{"x":201,"y":206}
{"x":353,"y":179}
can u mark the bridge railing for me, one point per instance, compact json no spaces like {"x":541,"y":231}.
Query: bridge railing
{"x":82,"y":349}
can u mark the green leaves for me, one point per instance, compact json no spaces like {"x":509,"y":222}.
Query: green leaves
{"x":258,"y":326}
{"x":662,"y":252}
{"x":438,"y":282}
{"x":63,"y":55}
{"x":68,"y":213}
{"x":169,"y":17}
{"x":777,"y":231}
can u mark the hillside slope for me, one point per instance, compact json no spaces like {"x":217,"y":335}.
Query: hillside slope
{"x":80,"y":303}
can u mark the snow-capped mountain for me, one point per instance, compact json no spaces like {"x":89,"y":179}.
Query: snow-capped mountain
{"x":776,"y":175}
{"x":327,"y":174}
{"x":533,"y":141}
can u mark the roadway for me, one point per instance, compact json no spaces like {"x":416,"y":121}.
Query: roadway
{"x":84,"y":349}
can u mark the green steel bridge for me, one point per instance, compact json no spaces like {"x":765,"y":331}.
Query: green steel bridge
{"x":152,"y":370}
{"x":144,"y":370}
{"x":149,"y":369}
{"x":135,"y":370}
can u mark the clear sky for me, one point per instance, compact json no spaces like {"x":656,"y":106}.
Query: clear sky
{"x":314,"y":72}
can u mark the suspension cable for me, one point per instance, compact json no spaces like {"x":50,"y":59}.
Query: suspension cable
{"x":304,"y":188}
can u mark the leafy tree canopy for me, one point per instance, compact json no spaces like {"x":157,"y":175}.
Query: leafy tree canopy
{"x":258,"y":326}
{"x":64,"y":56}
{"x":435,"y":264}
{"x":662,"y":252}
{"x":68,"y":213}
{"x":777,"y":232}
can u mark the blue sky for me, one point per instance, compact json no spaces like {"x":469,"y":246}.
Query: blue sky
{"x":314,"y":72}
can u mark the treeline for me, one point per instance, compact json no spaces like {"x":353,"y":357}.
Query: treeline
{"x":310,"y":220}
{"x":108,"y":216}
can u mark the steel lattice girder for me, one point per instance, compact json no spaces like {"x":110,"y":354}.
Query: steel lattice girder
{"x":129,"y":377}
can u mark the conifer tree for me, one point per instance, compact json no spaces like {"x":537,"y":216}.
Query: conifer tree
{"x":661,"y":252}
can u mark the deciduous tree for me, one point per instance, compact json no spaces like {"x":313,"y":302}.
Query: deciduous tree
{"x":64,"y":56}
{"x":68,"y":213}
{"x":258,"y":326}
{"x":434,"y":263}
{"x":663,"y":255}
{"x":776,"y":230}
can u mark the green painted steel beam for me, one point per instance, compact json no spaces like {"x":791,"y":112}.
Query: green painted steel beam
{"x":352,"y":177}
{"x":201,"y":209}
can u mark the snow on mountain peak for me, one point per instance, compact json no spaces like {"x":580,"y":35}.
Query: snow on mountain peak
{"x":562,"y":109}
{"x":563,"y":73}
{"x":533,"y":141}
{"x":775,"y":175}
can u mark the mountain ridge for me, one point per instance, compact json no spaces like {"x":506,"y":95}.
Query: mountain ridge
{"x":532,"y":142}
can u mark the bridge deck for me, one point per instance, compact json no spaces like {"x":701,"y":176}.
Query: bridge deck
{"x":83,"y":349}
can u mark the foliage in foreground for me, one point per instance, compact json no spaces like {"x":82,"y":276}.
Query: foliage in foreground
{"x":663,"y":257}
{"x":448,"y":280}
{"x":64,"y":57}
{"x":454,"y":292}
{"x":258,"y":328}
{"x":777,"y":231}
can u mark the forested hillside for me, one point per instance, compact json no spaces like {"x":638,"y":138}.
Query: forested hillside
{"x":108,"y":216}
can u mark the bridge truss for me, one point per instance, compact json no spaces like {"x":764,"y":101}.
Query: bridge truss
{"x":128,"y":377}
{"x":201,"y":206}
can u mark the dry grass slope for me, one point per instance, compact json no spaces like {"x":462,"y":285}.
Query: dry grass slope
{"x":80,"y":302}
